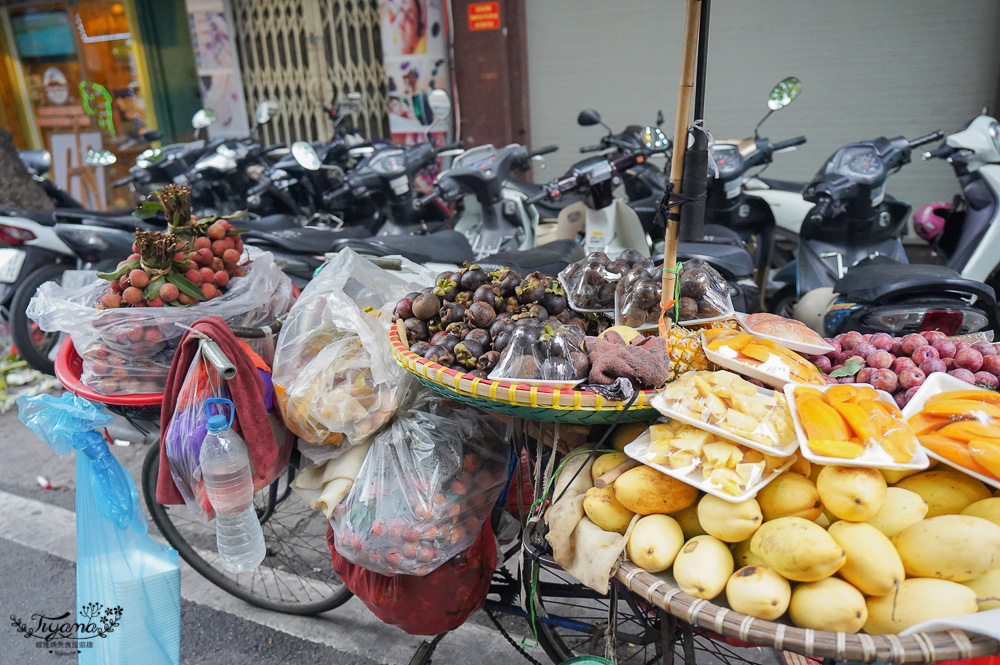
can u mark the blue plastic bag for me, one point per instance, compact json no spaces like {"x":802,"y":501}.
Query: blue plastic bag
{"x":135,"y":580}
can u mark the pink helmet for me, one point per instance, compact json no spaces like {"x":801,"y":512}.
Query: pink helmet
{"x":929,"y":220}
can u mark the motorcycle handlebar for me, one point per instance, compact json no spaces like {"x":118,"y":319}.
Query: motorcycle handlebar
{"x":544,"y":150}
{"x":259,"y":188}
{"x":939,"y":153}
{"x":591,"y":148}
{"x":924,"y":140}
{"x":337,"y":193}
{"x":789,"y":143}
{"x":821,"y":210}
{"x":544,"y":194}
{"x":425,"y":200}
{"x":276,"y":146}
{"x":124,"y":181}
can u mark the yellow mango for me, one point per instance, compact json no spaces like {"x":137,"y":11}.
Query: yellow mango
{"x":688,"y":519}
{"x":646,"y":491}
{"x":873,"y":565}
{"x":758,"y":591}
{"x":949,"y":547}
{"x":901,"y":508}
{"x":605,"y":463}
{"x":702,"y":567}
{"x":835,"y":448}
{"x":946,"y":491}
{"x":988,"y":509}
{"x":605,"y":510}
{"x":789,"y":495}
{"x":822,"y":421}
{"x":798,"y":549}
{"x":830,"y":604}
{"x":727,"y":521}
{"x":987,"y":588}
{"x":918,"y":600}
{"x":742,"y":556}
{"x":654,"y":542}
{"x":855,"y":494}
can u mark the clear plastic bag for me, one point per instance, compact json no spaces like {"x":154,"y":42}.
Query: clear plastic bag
{"x":637,"y":295}
{"x":703,"y":293}
{"x":188,"y":426}
{"x":126,"y":583}
{"x":760,"y":358}
{"x":590,"y":283}
{"x":427,"y":485}
{"x":733,"y":405}
{"x":334,"y":374}
{"x":129,"y":350}
{"x":540,"y":352}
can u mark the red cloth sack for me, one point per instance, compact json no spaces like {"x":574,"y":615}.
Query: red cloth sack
{"x":441,"y":601}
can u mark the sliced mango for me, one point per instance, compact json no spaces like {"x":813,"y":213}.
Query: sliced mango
{"x":978,"y":395}
{"x":860,"y":421}
{"x":900,"y":443}
{"x":867,"y":393}
{"x":967,"y":430}
{"x":962,"y":409}
{"x":987,"y":453}
{"x":921,"y":423}
{"x":953,"y":451}
{"x":802,"y":394}
{"x":842,"y":393}
{"x":835,"y":448}
{"x":822,"y":421}
{"x":758,"y":352}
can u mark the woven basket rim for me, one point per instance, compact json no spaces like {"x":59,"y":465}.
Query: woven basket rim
{"x":522,"y":393}
{"x":844,"y":647}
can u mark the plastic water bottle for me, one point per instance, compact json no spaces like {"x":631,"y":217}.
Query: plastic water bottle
{"x":225,"y":468}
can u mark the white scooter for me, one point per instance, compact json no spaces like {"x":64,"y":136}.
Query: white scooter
{"x":967,"y":233}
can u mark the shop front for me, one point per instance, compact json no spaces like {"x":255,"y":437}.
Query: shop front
{"x":77,"y":75}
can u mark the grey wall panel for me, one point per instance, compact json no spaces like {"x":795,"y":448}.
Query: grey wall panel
{"x":868,"y":68}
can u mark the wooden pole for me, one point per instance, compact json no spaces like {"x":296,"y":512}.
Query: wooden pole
{"x":691,"y":22}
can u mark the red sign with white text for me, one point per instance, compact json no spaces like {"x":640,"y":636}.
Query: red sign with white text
{"x":484,"y":16}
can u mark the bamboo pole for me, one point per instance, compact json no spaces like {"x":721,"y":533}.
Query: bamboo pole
{"x":692,"y":20}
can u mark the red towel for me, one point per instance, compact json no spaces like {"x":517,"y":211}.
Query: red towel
{"x":246,"y":390}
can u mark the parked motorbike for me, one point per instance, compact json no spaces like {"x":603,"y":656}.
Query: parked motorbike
{"x":966,"y":233}
{"x":38,"y":163}
{"x":852,"y":271}
{"x":731,"y":203}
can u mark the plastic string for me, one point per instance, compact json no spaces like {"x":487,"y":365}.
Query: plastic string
{"x":676,"y":272}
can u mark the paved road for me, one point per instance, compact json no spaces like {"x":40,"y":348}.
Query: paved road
{"x":38,"y":549}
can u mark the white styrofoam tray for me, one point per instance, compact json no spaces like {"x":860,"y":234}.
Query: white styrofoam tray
{"x":873,"y":457}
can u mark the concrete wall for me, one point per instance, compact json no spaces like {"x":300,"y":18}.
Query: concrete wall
{"x":868,"y":68}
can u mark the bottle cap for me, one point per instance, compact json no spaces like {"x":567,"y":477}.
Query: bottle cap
{"x":218,"y":422}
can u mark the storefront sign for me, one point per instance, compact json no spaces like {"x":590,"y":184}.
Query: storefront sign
{"x":484,"y":16}
{"x":55,"y":85}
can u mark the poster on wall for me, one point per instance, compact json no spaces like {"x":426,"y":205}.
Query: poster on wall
{"x":414,"y":47}
{"x":218,"y":68}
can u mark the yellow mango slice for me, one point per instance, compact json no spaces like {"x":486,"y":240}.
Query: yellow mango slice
{"x":822,"y":421}
{"x":966,"y":430}
{"x":842,"y":393}
{"x":860,"y":421}
{"x":953,"y":451}
{"x":802,"y":394}
{"x":962,"y":409}
{"x":977,"y":395}
{"x":833,"y":448}
{"x":987,"y":453}
{"x":921,"y":423}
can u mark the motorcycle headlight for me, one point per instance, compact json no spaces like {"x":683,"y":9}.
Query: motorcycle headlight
{"x":255,"y":171}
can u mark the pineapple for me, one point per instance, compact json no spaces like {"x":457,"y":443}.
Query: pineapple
{"x":685,"y":352}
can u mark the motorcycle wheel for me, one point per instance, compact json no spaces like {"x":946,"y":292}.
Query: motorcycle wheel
{"x":783,"y":302}
{"x":33,"y":344}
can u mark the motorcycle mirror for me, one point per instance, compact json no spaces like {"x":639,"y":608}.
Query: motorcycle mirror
{"x":100,"y":158}
{"x":202,"y":118}
{"x":440,"y":104}
{"x":151,"y":136}
{"x":588,"y":118}
{"x":265,"y":111}
{"x":306,"y":156}
{"x":784,"y":93}
{"x":659,"y":118}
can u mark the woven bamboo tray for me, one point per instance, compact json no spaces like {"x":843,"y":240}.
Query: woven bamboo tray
{"x":842,"y":647}
{"x":518,"y":400}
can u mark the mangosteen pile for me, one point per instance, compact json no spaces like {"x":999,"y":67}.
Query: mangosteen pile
{"x":704,"y":293}
{"x":468,"y":317}
{"x":638,"y":294}
{"x":590,"y":283}
{"x":544,"y":351}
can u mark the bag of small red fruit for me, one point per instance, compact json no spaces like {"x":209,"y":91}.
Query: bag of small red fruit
{"x":430,"y":480}
{"x":128,"y":344}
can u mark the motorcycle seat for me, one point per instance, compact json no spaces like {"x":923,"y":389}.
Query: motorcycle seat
{"x":783,"y":185}
{"x":882,"y":278}
{"x":79,"y":215}
{"x":732,"y":261}
{"x":548,"y":259}
{"x":716,"y":233}
{"x":306,"y":239}
{"x":37,"y":162}
{"x":440,"y":247}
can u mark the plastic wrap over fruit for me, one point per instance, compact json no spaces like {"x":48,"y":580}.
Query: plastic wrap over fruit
{"x":590,"y":283}
{"x":637,"y":295}
{"x":427,"y":485}
{"x":129,"y":350}
{"x":540,"y":352}
{"x":334,"y":374}
{"x":703,"y":293}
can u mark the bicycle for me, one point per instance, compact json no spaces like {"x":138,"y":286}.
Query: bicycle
{"x":296,"y":576}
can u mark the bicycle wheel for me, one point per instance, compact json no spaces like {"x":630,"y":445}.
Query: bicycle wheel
{"x":296,"y":576}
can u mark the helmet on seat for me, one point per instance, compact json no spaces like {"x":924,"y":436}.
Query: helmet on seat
{"x":929,"y":220}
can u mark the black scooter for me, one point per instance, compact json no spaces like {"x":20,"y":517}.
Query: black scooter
{"x":852,"y":270}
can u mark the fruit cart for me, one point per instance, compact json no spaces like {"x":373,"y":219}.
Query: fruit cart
{"x":646,"y":616}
